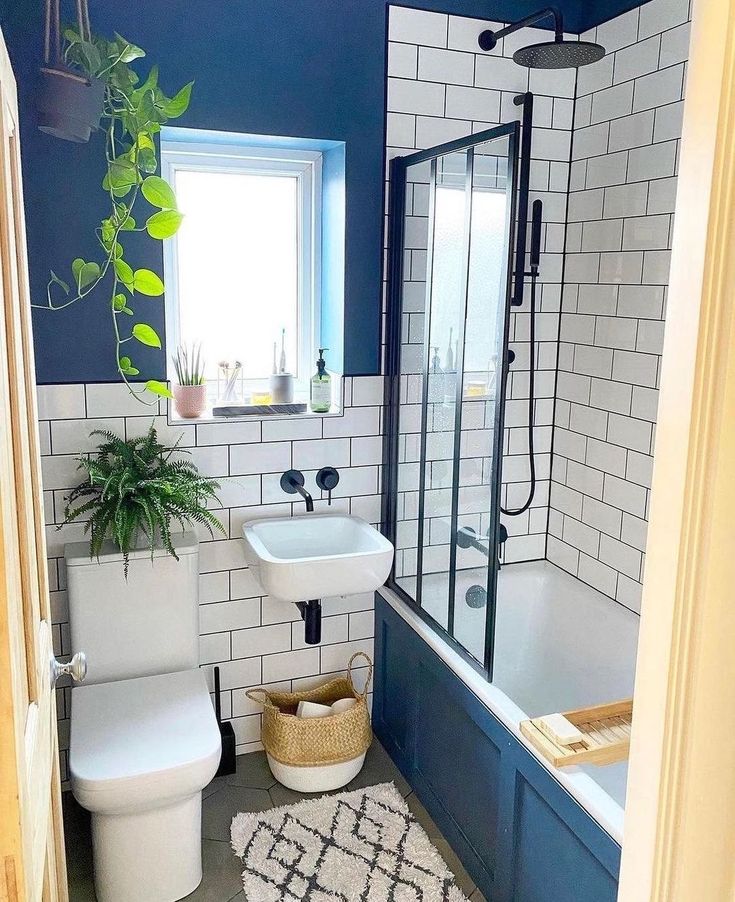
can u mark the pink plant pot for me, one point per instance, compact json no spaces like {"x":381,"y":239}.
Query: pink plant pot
{"x":190,"y":400}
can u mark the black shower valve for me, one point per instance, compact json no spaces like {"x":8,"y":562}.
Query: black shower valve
{"x":327,"y":479}
{"x":511,"y":356}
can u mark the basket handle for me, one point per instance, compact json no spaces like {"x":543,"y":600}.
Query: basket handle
{"x":360,"y":654}
{"x":251,"y":694}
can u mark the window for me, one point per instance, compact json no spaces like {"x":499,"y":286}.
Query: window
{"x":245,"y":263}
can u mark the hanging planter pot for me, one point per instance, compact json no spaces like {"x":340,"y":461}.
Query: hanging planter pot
{"x":69,"y":104}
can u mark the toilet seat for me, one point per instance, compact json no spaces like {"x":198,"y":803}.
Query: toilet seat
{"x":141,"y":743}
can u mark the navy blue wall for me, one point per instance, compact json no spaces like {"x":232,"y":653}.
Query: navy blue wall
{"x":305,"y":68}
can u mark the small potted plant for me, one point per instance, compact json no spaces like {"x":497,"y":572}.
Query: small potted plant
{"x":133,"y":492}
{"x":190,"y":395}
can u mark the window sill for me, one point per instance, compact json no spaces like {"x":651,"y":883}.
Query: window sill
{"x":207,"y":417}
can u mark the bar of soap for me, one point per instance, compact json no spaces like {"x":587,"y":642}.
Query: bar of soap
{"x":559,"y":729}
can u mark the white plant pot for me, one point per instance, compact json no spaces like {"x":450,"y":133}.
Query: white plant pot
{"x":190,"y":400}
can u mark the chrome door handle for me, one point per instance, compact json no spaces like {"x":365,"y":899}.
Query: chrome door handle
{"x":76,"y":668}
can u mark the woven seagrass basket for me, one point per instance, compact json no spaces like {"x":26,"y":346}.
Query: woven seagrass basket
{"x":316,"y":741}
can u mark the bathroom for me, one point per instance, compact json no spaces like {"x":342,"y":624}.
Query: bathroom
{"x":445,"y":368}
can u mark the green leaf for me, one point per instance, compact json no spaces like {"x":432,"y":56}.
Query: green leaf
{"x":76,"y":268}
{"x":147,"y":160}
{"x":122,"y":174}
{"x":164,"y":224}
{"x":127,"y":310}
{"x":146,"y":335}
{"x":87,"y":274}
{"x":124,"y":273}
{"x":107,"y":231}
{"x":126,"y":366}
{"x":127,"y":51}
{"x":150,"y":84}
{"x":179,"y":104}
{"x":147,"y":282}
{"x":60,"y":282}
{"x":158,"y":192}
{"x":146,"y":113}
{"x":119,"y":302}
{"x":158,"y":388}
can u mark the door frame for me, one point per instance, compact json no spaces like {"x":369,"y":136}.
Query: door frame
{"x":680,"y":814}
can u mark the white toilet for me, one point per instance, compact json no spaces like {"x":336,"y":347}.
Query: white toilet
{"x":144,"y":739}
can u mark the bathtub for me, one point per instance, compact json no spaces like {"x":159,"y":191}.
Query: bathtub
{"x":559,"y":645}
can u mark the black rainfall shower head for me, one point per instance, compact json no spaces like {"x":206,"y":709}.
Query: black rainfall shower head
{"x":556,"y":54}
{"x":559,"y":55}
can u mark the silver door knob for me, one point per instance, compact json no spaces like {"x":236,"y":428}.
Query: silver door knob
{"x":76,"y":668}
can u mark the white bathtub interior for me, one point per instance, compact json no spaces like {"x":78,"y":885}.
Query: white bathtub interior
{"x":559,"y":644}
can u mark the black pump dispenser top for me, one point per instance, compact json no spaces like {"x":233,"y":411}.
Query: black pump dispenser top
{"x":321,"y":363}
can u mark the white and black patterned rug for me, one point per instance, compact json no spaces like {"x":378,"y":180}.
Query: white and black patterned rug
{"x":361,"y":846}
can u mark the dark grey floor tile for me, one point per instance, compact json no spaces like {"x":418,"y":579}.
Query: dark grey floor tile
{"x":379,"y":768}
{"x":464,"y":881}
{"x":282,"y":795}
{"x":252,"y":770}
{"x":219,"y":809}
{"x":221,"y":873}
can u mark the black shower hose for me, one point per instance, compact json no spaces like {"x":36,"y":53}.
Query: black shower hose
{"x":531,"y":386}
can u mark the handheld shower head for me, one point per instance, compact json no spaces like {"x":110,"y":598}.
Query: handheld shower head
{"x":556,"y":54}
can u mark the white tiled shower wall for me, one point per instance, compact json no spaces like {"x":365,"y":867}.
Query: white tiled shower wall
{"x":442,"y":87}
{"x":621,"y":205}
{"x":255,"y":640}
{"x":626,"y":112}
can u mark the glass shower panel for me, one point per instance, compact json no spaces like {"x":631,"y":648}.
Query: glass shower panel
{"x":413,"y":288}
{"x":487,"y":285}
{"x":451,"y":223}
{"x":443,"y":333}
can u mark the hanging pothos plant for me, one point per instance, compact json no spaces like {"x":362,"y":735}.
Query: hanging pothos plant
{"x":133,"y":112}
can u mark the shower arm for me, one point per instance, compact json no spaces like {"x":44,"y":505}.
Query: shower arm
{"x":489,"y":39}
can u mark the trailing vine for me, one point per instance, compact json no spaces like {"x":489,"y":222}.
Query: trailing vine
{"x":132,"y":114}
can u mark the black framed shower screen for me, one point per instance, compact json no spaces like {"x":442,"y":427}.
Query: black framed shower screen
{"x":439,"y":478}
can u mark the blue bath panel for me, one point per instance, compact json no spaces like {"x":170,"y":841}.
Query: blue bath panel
{"x":519,"y":834}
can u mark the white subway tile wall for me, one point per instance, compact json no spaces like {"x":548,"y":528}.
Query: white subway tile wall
{"x":625,"y":148}
{"x":455,"y":90}
{"x":254,"y":639}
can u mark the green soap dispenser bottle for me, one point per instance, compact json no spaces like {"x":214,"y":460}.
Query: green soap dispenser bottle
{"x":321,"y":386}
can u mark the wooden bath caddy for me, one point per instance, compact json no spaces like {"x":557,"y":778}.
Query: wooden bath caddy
{"x":604,"y":729}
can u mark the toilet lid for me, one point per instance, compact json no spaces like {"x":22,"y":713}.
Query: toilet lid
{"x":140,"y":728}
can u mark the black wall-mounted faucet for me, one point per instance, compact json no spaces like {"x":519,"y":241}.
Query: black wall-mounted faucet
{"x":292,"y":482}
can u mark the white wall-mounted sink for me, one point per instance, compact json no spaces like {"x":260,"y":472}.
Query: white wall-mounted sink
{"x":316,"y":555}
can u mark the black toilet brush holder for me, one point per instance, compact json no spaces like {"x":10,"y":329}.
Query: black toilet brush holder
{"x":227,"y":764}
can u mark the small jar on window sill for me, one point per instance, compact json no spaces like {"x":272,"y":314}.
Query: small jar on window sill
{"x":190,"y":400}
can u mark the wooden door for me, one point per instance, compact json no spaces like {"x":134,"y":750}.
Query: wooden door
{"x":32,"y":865}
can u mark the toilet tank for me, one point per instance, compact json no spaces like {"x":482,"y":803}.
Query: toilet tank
{"x":144,"y":625}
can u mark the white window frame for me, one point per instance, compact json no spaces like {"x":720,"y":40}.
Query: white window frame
{"x":214,"y":156}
